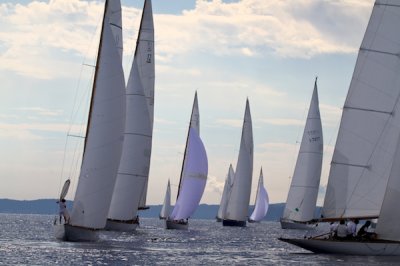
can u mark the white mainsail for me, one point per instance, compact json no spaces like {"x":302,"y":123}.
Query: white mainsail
{"x":369,"y":127}
{"x":131,"y":185}
{"x":238,"y":203}
{"x":226,"y":192}
{"x":114,"y":14}
{"x":262,"y":201}
{"x":103,"y":143}
{"x":194,"y":173}
{"x":167,"y":203}
{"x":303,"y":192}
{"x":388,"y":226}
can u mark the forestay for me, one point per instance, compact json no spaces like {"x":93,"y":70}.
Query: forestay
{"x":370,"y":122}
{"x":303,"y":192}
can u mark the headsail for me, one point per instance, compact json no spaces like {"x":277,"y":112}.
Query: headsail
{"x":194,"y":170}
{"x":303,"y":192}
{"x":167,"y":203}
{"x":103,"y":143}
{"x":370,"y":125}
{"x":226,"y":192}
{"x":238,"y":203}
{"x":131,"y":185}
{"x":65,"y":189}
{"x":262,"y":201}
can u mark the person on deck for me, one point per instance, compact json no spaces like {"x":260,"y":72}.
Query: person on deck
{"x":352,"y":228}
{"x":63,"y":212}
{"x":341,"y":230}
{"x":333,"y":228}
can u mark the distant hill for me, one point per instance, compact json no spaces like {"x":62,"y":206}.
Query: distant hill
{"x":49,"y":206}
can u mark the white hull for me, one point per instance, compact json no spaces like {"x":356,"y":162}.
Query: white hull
{"x":121,"y":226}
{"x":287,"y":224}
{"x":67,"y":232}
{"x":348,"y":247}
{"x":169,"y":224}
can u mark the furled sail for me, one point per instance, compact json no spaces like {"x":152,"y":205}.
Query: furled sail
{"x":303,"y":192}
{"x":262,"y":201}
{"x":103,"y":143}
{"x":133,"y":173}
{"x":238,"y":203}
{"x":226,"y":192}
{"x":370,"y":125}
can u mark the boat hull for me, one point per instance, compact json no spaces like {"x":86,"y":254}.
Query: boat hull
{"x":233,"y":223}
{"x":66,"y":232}
{"x":288,"y":224}
{"x":347,"y":247}
{"x":121,"y":226}
{"x":170,"y":224}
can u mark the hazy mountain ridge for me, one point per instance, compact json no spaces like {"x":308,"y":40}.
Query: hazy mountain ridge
{"x":49,"y":206}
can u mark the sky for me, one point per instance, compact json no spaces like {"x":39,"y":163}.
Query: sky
{"x":267,"y":51}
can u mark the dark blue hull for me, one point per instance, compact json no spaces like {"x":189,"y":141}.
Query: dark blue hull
{"x":233,"y":223}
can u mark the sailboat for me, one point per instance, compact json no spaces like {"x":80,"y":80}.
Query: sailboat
{"x":236,"y":213}
{"x":262,"y":202}
{"x":193,"y":175}
{"x":364,"y":179}
{"x":167,"y":203}
{"x":133,"y":174}
{"x":225,"y":194}
{"x":303,"y":193}
{"x":103,"y":142}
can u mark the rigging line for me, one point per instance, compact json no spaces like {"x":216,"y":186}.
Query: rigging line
{"x":350,"y":164}
{"x":378,"y":51}
{"x":367,"y":110}
{"x":393,"y":5}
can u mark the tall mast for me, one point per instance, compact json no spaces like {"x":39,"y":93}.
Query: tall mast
{"x":95,"y":76}
{"x":187,"y":139}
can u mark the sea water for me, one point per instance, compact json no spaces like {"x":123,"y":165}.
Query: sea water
{"x":29,"y":240}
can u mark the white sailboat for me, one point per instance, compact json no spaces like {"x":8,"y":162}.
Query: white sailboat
{"x":303,"y":193}
{"x":236,"y":213}
{"x":103,"y":143}
{"x":167,"y":203}
{"x":131,"y":184}
{"x":193,"y":175}
{"x":364,"y":176}
{"x":225,"y":194}
{"x":262,"y":201}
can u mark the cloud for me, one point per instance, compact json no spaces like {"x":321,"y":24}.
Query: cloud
{"x":35,"y":131}
{"x":282,"y":121}
{"x":37,"y":36}
{"x":230,"y":122}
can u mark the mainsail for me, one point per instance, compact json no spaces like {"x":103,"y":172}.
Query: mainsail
{"x":238,"y":203}
{"x":262,"y":201}
{"x":194,"y":173}
{"x":226,"y":192}
{"x":131,"y":185}
{"x":103,"y":143}
{"x":303,"y":192}
{"x":370,"y":125}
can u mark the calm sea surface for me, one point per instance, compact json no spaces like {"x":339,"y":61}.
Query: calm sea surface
{"x":29,"y":240}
